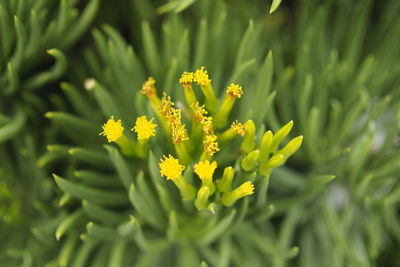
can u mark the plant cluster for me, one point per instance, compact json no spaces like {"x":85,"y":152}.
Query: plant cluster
{"x":191,"y":175}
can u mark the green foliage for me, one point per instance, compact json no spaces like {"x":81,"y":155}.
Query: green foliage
{"x":29,"y":29}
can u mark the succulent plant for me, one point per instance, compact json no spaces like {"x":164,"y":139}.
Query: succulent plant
{"x":193,"y":173}
{"x":303,"y":197}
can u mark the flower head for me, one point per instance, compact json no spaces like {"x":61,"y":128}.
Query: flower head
{"x":170,"y":167}
{"x":199,"y":111}
{"x":174,"y":116}
{"x":246,"y":189}
{"x":112,"y":129}
{"x":235,"y":91}
{"x":238,"y":128}
{"x":210,"y":144}
{"x":207,"y":123}
{"x":201,"y":77}
{"x":148,"y":88}
{"x":186,"y":79}
{"x":179,"y":133}
{"x":205,"y":169}
{"x":144,"y":128}
{"x":166,"y":105}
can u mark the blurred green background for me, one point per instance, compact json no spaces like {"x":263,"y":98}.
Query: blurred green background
{"x":331,"y":66}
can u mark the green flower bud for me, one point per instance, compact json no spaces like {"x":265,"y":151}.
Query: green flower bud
{"x":229,"y":198}
{"x":226,"y":181}
{"x":250,"y":160}
{"x":280,"y":135}
{"x":291,"y":147}
{"x":266,"y":144}
{"x":275,"y":161}
{"x":248,"y":143}
{"x":201,"y":201}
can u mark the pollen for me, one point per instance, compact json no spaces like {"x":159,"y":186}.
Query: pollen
{"x":186,"y":79}
{"x":238,"y":128}
{"x":199,"y":111}
{"x":112,"y":129}
{"x":178,"y":133}
{"x":170,"y":167}
{"x":246,"y":189}
{"x":144,"y":128}
{"x":148,"y":88}
{"x":235,"y":91}
{"x":205,"y":169}
{"x":207,"y":124}
{"x":210,"y":144}
{"x":201,"y":77}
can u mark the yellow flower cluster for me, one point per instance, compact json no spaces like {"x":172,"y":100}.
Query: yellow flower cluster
{"x":211,"y":144}
{"x":201,"y":77}
{"x":198,"y":111}
{"x":173,"y":116}
{"x":235,"y":91}
{"x":149,"y":88}
{"x":238,"y":128}
{"x":207,"y":137}
{"x":187,"y":79}
{"x":114,"y":131}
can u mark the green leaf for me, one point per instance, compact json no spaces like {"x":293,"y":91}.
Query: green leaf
{"x":94,"y":158}
{"x":21,"y":44}
{"x":118,"y":253}
{"x":97,"y":179}
{"x":217,"y":230}
{"x":101,"y":214}
{"x":150,"y":50}
{"x":102,"y":232}
{"x":84,"y":253}
{"x":69,"y":223}
{"x":77,"y":100}
{"x":15,"y":124}
{"x":55,"y":152}
{"x":53,"y":74}
{"x":144,"y":209}
{"x":100,"y":197}
{"x":77,"y":128}
{"x":274,"y":6}
{"x":80,"y":26}
{"x":67,"y":249}
{"x":120,"y":165}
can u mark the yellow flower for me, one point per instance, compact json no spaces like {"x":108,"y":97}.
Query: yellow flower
{"x":234,"y":91}
{"x":179,"y":133}
{"x":207,"y":124}
{"x":144,"y":128}
{"x":205,"y":169}
{"x":201,"y":77}
{"x":229,"y":198}
{"x":186,"y":79}
{"x":170,"y":167}
{"x":166,"y":105}
{"x":112,"y":129}
{"x":199,"y":111}
{"x":148,"y":88}
{"x":238,"y":128}
{"x":174,"y":116}
{"x":210,"y":144}
{"x":246,"y":189}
